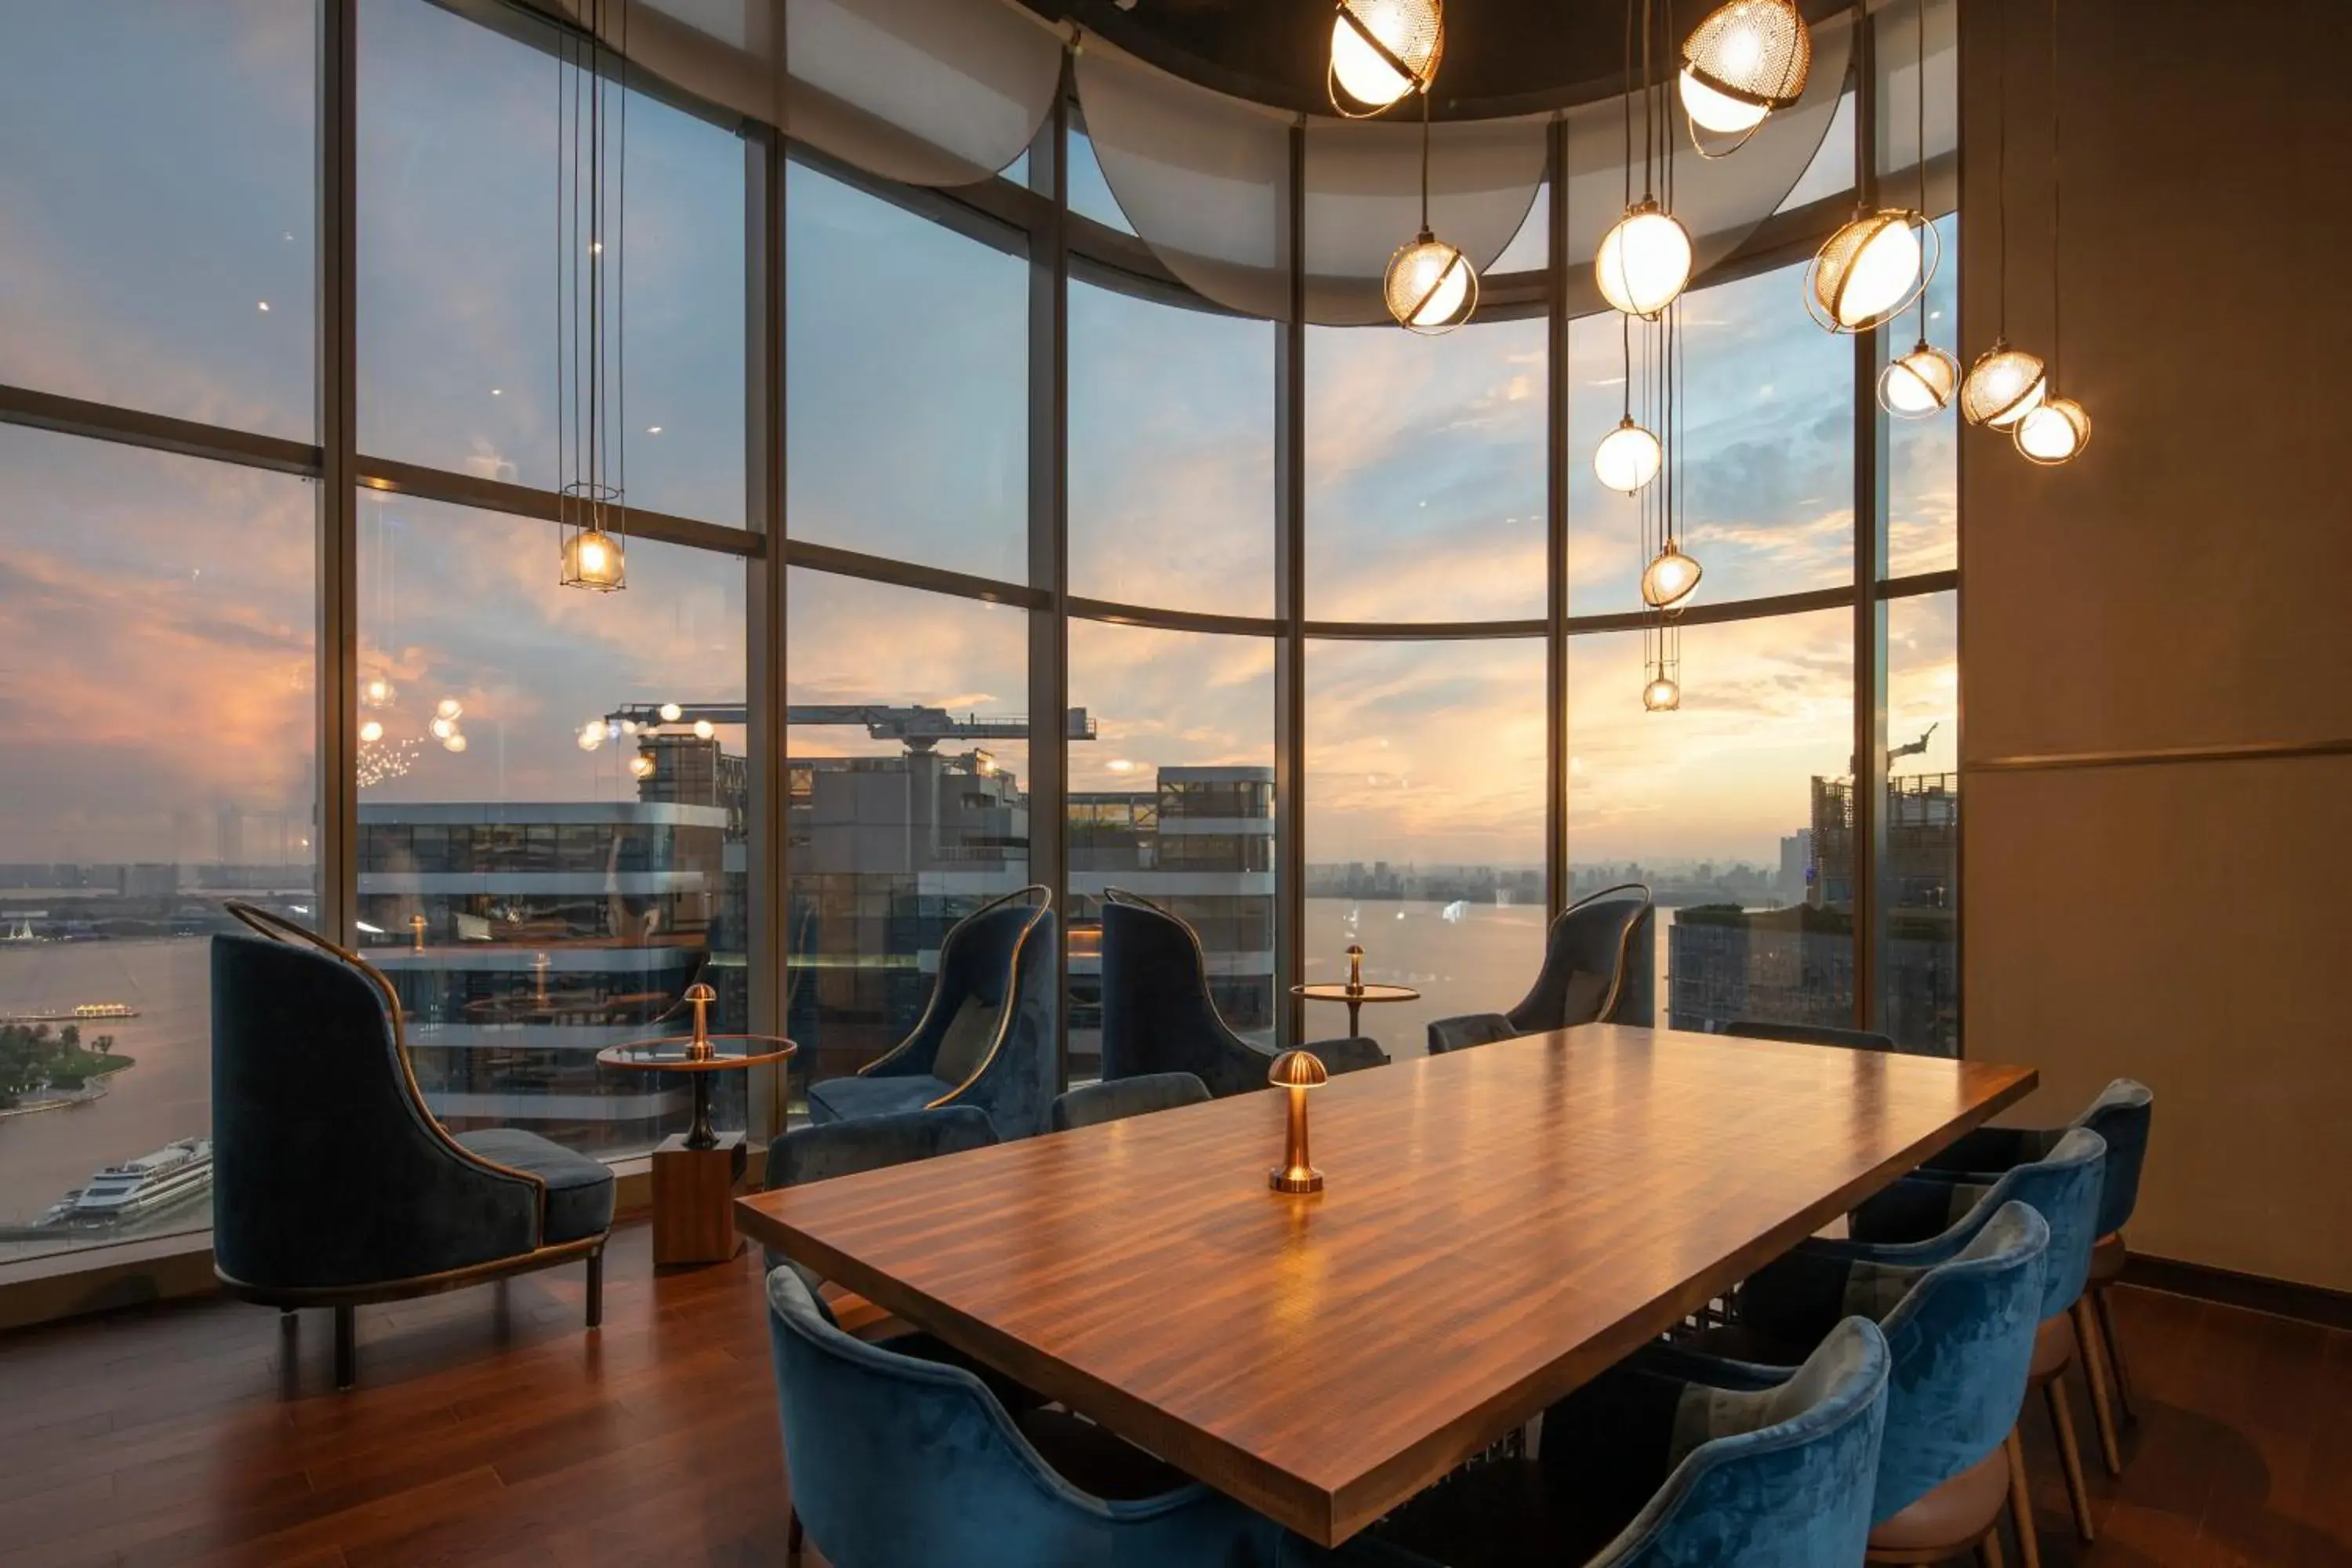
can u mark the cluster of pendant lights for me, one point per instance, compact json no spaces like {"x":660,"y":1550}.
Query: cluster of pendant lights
{"x":1381,"y":52}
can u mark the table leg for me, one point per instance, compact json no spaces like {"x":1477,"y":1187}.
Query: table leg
{"x":1355,"y":1017}
{"x":701,"y":1135}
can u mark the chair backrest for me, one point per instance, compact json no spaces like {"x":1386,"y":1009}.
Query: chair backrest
{"x":1157,"y":1013}
{"x":821,"y":1152}
{"x":1609,"y":935}
{"x":1091,"y":1104}
{"x":2063,"y":1188}
{"x":1779,"y":1478}
{"x":328,"y":1168}
{"x":1810,"y":1035}
{"x":999,"y":956}
{"x":2121,"y":1115}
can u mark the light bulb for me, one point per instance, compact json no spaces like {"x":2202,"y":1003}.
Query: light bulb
{"x":2004,"y":386}
{"x":594,"y":560}
{"x":591,"y":737}
{"x":1745,"y":59}
{"x":1716,"y":112}
{"x":1364,"y":78}
{"x":1865,"y":272}
{"x":1627,"y":458}
{"x":376,"y":691}
{"x":1430,"y":286}
{"x":1661,"y":695}
{"x":453,"y":742}
{"x":448,"y":708}
{"x":1920,"y":385}
{"x":642,"y":765}
{"x":2051,"y":433}
{"x":704,"y":728}
{"x":671,"y":712}
{"x":1644,"y":261}
{"x":443,"y":728}
{"x":1668,"y":579}
{"x":370,"y":732}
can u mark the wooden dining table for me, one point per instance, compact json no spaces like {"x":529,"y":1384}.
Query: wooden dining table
{"x":1497,"y":1226}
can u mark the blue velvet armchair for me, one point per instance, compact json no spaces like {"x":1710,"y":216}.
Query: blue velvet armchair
{"x":987,"y":1037}
{"x":1092,"y":1104}
{"x":898,"y":1462}
{"x":1689,"y":1468}
{"x":1599,"y":968}
{"x":1810,"y":1035}
{"x":1158,"y":1015}
{"x":333,"y":1186}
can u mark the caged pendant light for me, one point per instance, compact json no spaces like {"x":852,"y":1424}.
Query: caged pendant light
{"x":1644,"y":260}
{"x":2005,"y":384}
{"x":1873,"y":268}
{"x":2055,"y":430}
{"x":1919,"y":384}
{"x":1745,"y":59}
{"x":1381,"y":50}
{"x":591,"y":357}
{"x":1628,"y":457}
{"x":1430,"y":288}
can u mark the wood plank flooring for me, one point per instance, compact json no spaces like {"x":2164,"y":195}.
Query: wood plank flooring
{"x":494,"y":1431}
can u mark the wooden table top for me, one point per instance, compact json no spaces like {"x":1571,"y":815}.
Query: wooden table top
{"x":1500,"y":1226}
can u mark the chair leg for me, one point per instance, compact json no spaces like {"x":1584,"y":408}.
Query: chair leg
{"x":597,"y":1287}
{"x":2107,"y":1314}
{"x":794,"y":1538}
{"x":2095,"y":1373}
{"x":2070,"y":1456}
{"x":1989,"y":1550}
{"x":347,"y":1371}
{"x":2020,"y":1501}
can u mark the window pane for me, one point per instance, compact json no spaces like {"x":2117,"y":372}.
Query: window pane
{"x":1425,"y":473}
{"x":1733,"y":809}
{"x":1172,"y":454}
{"x":1923,"y":467}
{"x":457,"y":166}
{"x":1767,"y":466}
{"x":160,"y":208}
{"x":1920,"y":884}
{"x":160,"y":679}
{"x":1531,"y":248}
{"x":1830,"y":173}
{"x":1089,"y":192}
{"x":1425,"y":827}
{"x":1174,"y":799}
{"x":909,"y":802}
{"x":908,"y":346}
{"x":533,"y":900}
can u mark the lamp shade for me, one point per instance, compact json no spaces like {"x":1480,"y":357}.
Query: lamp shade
{"x":1298,"y":1069}
{"x":1867,"y":271}
{"x":1745,"y":59}
{"x":1669,"y":577}
{"x":1662,"y":695}
{"x":1381,"y":50}
{"x":2053,"y":432}
{"x":1431,"y":286}
{"x":1627,"y":458}
{"x":1920,"y":385}
{"x":1644,"y":261}
{"x":593,"y":559}
{"x":2004,"y":386}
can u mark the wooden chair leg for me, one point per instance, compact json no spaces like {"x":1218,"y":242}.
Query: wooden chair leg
{"x":2020,"y":1500}
{"x":794,"y":1538}
{"x":597,"y":1287}
{"x":2095,"y":1373}
{"x":1989,"y":1550}
{"x":2115,"y":1349}
{"x":347,"y":1372}
{"x":2070,"y":1456}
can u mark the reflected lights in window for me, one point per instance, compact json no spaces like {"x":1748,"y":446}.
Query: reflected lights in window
{"x":1919,"y":875}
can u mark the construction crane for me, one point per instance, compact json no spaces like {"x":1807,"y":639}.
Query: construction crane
{"x":920,"y":729}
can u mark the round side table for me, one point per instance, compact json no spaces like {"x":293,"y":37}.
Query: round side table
{"x":1355,"y":996}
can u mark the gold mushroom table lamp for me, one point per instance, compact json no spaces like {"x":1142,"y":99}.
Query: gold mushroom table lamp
{"x":1297,"y":1072}
{"x":1355,"y":993}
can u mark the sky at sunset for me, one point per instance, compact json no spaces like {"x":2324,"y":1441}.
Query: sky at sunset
{"x":155,"y":611}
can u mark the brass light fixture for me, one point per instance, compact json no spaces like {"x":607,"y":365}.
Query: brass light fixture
{"x":2005,"y":384}
{"x":1920,"y":385}
{"x":2051,"y":433}
{"x":1431,"y":288}
{"x":641,"y":766}
{"x":1644,"y":260}
{"x":1627,"y":458}
{"x":1745,"y":59}
{"x":1669,"y":577}
{"x":591,"y":354}
{"x":1296,"y":1071}
{"x":2056,"y":429}
{"x":1663,"y":694}
{"x":1381,"y":50}
{"x":1872,"y":269}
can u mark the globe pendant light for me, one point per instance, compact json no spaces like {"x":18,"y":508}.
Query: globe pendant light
{"x":1920,"y":385}
{"x":1662,"y":695}
{"x":2055,"y":429}
{"x":593,"y":559}
{"x":1430,"y":286}
{"x":2051,"y":433}
{"x":1381,"y":50}
{"x":2004,"y":386}
{"x":591,"y":346}
{"x":1627,"y":458}
{"x":1745,"y":59}
{"x":1644,"y":261}
{"x":1669,"y":578}
{"x":1872,"y":269}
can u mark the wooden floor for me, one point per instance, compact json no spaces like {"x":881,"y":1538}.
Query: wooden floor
{"x":488,"y":1428}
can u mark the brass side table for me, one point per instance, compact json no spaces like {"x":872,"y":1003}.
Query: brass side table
{"x":695,"y":1172}
{"x":1354,"y":992}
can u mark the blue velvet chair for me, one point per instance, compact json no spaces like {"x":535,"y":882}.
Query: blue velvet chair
{"x":333,"y":1186}
{"x":2064,"y":1187}
{"x":1599,"y":968}
{"x":1091,"y":1104}
{"x":1158,"y":1015}
{"x":898,"y":1462}
{"x":2122,"y":1114}
{"x":822,"y":1151}
{"x":986,"y":1039}
{"x":1688,"y":1468}
{"x":1810,"y":1035}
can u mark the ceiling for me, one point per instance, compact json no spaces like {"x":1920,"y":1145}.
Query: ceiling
{"x":1502,"y":56}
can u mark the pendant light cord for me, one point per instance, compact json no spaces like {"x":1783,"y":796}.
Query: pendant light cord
{"x":1426,"y":230}
{"x":1920,"y":94}
{"x":2000,"y":143}
{"x":2057,"y":181}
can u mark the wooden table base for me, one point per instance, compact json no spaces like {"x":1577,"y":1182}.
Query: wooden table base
{"x":693,"y":1217}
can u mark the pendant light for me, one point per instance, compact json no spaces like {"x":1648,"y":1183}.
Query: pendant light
{"x":1644,"y":260}
{"x":1873,"y":268}
{"x":1628,"y":456}
{"x":1745,"y":59}
{"x":2005,"y":384}
{"x":2055,"y":430}
{"x":1663,"y":694}
{"x":591,"y":354}
{"x":1431,"y":288}
{"x":1921,"y":384}
{"x":1381,"y":50}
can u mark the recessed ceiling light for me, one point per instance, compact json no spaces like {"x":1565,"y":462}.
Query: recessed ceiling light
{"x":495,"y":392}
{"x":653,"y":429}
{"x":263,"y":303}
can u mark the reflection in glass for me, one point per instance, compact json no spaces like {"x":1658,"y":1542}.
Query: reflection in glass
{"x":1425,"y":826}
{"x":1923,"y":456}
{"x":1735,"y":812}
{"x":1174,"y":799}
{"x":534,"y":897}
{"x":1172,"y":454}
{"x":158,"y":611}
{"x":1919,"y":873}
